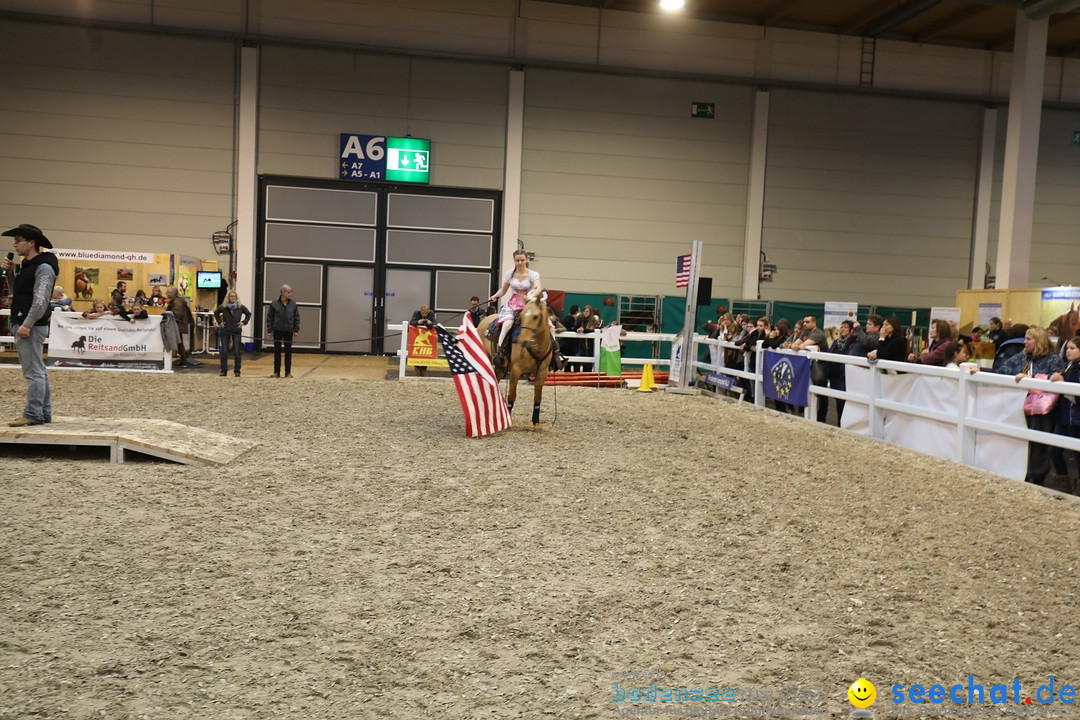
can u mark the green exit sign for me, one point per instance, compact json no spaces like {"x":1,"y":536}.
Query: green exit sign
{"x":407,"y":159}
{"x":703,"y":110}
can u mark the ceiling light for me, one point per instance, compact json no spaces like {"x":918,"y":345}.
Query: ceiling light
{"x":672,"y":4}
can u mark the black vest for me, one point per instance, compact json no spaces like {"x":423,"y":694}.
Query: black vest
{"x":23,"y":290}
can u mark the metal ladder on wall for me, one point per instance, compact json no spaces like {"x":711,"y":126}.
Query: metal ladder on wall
{"x":866,"y":64}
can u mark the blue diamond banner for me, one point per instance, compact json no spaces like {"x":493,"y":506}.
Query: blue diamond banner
{"x":787,"y":378}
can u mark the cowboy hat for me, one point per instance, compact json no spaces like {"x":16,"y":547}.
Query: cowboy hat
{"x":30,"y":232}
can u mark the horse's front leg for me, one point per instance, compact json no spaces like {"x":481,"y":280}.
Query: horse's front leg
{"x":538,"y":394}
{"x":511,"y":391}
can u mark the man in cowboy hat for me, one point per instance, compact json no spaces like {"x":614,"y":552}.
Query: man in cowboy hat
{"x":32,"y":289}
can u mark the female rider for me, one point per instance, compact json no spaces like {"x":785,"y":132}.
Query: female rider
{"x":524,"y":285}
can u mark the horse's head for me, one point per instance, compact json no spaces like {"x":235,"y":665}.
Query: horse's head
{"x":534,"y":320}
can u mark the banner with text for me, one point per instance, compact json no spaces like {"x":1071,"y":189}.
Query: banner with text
{"x":106,"y":343}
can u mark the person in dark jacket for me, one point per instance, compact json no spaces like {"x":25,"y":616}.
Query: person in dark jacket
{"x":422,"y":318}
{"x":135,"y":312}
{"x":476,"y":314}
{"x":181,"y":312}
{"x":836,"y":373}
{"x":283,"y":324}
{"x":1068,"y":422}
{"x":32,"y":289}
{"x":892,"y":345}
{"x":231,"y":318}
{"x":863,"y":341}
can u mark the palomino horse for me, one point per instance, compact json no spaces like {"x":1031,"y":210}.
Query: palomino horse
{"x":531,"y":353}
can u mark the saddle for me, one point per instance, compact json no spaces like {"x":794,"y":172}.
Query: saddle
{"x":501,"y":360}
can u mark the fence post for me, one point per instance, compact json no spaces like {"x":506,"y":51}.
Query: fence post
{"x":877,"y":422}
{"x":759,"y":375}
{"x":403,"y":349}
{"x":965,"y":437}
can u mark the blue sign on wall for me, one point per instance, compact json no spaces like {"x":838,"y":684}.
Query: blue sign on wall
{"x":362,"y":157}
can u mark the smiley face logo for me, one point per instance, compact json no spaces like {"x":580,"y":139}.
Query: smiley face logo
{"x":862,"y":693}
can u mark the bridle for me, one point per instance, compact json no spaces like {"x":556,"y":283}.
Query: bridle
{"x":530,"y":344}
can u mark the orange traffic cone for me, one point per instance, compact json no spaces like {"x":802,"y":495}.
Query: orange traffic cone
{"x":647,"y":382}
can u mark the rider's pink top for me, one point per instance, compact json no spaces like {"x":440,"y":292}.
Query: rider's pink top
{"x":519,"y":290}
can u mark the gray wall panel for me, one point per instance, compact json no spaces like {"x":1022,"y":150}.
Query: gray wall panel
{"x":869,"y":200}
{"x":320,"y":242}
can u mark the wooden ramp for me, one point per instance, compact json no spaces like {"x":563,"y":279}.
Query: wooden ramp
{"x":159,"y":438}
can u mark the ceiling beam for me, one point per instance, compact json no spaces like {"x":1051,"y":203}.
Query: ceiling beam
{"x":1038,"y":9}
{"x":871,"y":13}
{"x":1004,"y":42}
{"x":950,"y":21}
{"x":778,"y":11}
{"x":908,"y":11}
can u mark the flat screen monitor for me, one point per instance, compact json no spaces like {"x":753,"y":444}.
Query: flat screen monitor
{"x":208,"y":280}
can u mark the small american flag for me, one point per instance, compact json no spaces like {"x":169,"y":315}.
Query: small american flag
{"x":481,"y":400}
{"x":682,"y":271}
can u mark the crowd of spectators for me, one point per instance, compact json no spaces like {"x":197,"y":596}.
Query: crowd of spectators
{"x":1021,"y":351}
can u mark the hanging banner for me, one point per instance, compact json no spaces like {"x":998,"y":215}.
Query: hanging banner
{"x":838,"y":312}
{"x":675,"y":371}
{"x":105,"y":343}
{"x":987,"y":311}
{"x":948,"y":314}
{"x":424,"y":348}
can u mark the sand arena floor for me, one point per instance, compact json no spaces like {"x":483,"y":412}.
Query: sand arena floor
{"x":366,"y":560}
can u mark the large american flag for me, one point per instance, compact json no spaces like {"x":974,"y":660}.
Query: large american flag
{"x":682,"y":271}
{"x":481,"y":400}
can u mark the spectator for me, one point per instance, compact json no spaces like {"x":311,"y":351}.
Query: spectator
{"x":135,"y":312}
{"x":1068,"y":422}
{"x":891,"y":342}
{"x":283,"y":324}
{"x":60,"y":301}
{"x":140,"y":294}
{"x":1037,"y":360}
{"x":836,"y":373}
{"x":586,"y":326}
{"x":572,"y":346}
{"x":812,"y":337}
{"x":231,"y":318}
{"x":996,"y":333}
{"x":181,"y":313}
{"x":474,"y":311}
{"x":423,"y":318}
{"x":940,"y":336}
{"x":156,"y":298}
{"x":116,"y":300}
{"x":98,"y":309}
{"x":866,"y":340}
{"x":956,"y":353}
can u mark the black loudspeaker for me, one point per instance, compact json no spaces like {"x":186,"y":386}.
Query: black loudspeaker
{"x":704,"y":291}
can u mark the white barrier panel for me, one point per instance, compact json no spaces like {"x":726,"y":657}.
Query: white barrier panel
{"x":940,"y":435}
{"x":108,"y":343}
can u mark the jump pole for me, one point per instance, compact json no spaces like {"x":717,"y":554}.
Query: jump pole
{"x":686,"y":368}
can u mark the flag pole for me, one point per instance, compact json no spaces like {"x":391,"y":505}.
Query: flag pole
{"x":686,"y":357}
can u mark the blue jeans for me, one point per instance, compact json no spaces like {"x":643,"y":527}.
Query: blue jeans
{"x":38,"y":397}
